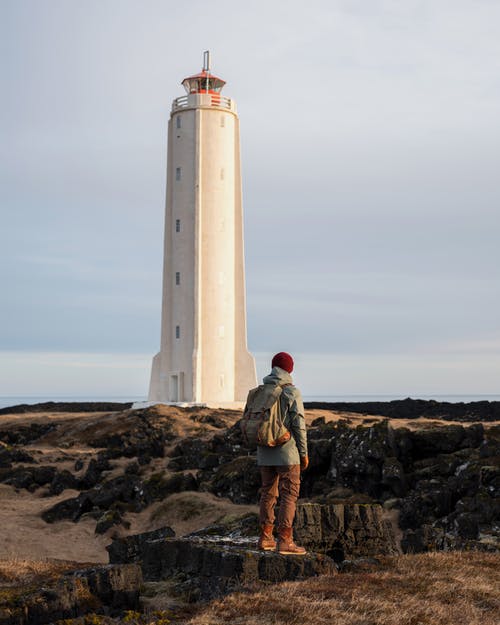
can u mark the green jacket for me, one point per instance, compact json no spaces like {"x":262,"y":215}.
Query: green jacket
{"x":293,"y":409}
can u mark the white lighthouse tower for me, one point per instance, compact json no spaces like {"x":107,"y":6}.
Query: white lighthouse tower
{"x":203,"y":356}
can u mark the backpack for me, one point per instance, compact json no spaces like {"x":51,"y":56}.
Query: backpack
{"x":262,"y":422}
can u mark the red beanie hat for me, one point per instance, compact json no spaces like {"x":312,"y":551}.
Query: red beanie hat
{"x":283,"y":361}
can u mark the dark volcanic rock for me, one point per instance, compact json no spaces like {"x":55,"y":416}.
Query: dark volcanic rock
{"x":239,"y":480}
{"x":344,"y":531}
{"x":125,"y":492}
{"x":8,"y":455}
{"x":104,"y":588}
{"x":93,"y":473}
{"x":338,"y":530}
{"x":29,"y":478}
{"x":205,"y":568}
{"x":61,"y":481}
{"x":130,"y":548}
{"x":159,"y":486}
{"x":25,"y":434}
{"x":60,"y":406}
{"x":145,"y":439}
{"x":438,"y":440}
{"x":415,"y":408}
{"x":107,"y":520}
{"x":358,"y":456}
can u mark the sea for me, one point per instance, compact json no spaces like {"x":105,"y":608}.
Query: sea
{"x":6,"y":401}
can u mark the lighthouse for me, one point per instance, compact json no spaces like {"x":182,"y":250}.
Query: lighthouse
{"x":203,"y":357}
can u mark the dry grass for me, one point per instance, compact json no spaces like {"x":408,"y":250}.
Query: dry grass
{"x":18,"y":571}
{"x":459,"y":588}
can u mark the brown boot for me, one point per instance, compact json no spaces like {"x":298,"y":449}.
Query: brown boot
{"x":266,"y":540}
{"x":286,"y":546}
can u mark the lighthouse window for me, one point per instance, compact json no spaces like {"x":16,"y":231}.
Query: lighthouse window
{"x":177,"y":332}
{"x":222,"y":173}
{"x":177,"y":173}
{"x":177,"y":277}
{"x":222,"y":121}
{"x":178,"y":121}
{"x":177,"y":225}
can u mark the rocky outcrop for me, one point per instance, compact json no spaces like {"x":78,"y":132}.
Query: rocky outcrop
{"x":104,"y":589}
{"x":62,"y":406}
{"x":127,"y":492}
{"x":416,"y":408}
{"x":345,"y":531}
{"x":25,"y":434}
{"x":205,"y":567}
{"x":433,"y":476}
{"x":144,"y":438}
{"x":224,"y":557}
{"x":442,"y":480}
{"x":130,"y":548}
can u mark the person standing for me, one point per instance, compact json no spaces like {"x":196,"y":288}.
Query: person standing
{"x":280,"y":466}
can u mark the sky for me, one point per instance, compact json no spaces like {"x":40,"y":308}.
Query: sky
{"x":370,"y":141}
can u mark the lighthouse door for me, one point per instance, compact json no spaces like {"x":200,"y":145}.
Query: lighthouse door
{"x":177,"y":387}
{"x":174,"y":388}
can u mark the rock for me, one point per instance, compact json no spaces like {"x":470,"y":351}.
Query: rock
{"x":9,"y":454}
{"x":68,"y":509}
{"x":126,"y":491}
{"x":432,"y":499}
{"x":29,"y":478}
{"x":239,"y":480}
{"x":107,"y":520}
{"x":424,"y":538}
{"x":111,"y":588}
{"x":145,"y":439}
{"x":318,"y":421}
{"x":489,"y":478}
{"x":188,"y":454}
{"x":25,"y":434}
{"x":443,"y":439}
{"x":129,"y":549}
{"x":344,"y":531}
{"x":205,"y":568}
{"x":43,"y":474}
{"x":159,"y":486}
{"x":393,"y":477}
{"x":62,"y":406}
{"x":94,"y":472}
{"x":61,"y":481}
{"x":415,"y":408}
{"x":358,"y":455}
{"x":466,"y":525}
{"x":212,"y":419}
{"x":133,"y":468}
{"x":233,"y":527}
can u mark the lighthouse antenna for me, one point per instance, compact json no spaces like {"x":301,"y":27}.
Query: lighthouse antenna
{"x":206,"y":61}
{"x":206,"y":67}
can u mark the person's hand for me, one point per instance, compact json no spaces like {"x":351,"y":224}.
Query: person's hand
{"x":304,"y":462}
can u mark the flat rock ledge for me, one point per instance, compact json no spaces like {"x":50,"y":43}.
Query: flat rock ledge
{"x":221,"y":559}
{"x":107,"y":589}
{"x":203,"y":568}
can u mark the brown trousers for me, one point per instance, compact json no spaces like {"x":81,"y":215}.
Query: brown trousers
{"x":285,"y":482}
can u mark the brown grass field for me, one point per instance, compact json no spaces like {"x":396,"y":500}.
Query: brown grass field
{"x":457,"y":588}
{"x":440,"y":588}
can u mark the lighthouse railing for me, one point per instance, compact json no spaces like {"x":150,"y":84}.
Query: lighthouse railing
{"x":214,"y":99}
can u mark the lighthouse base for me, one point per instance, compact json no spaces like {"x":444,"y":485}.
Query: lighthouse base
{"x":229,"y":405}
